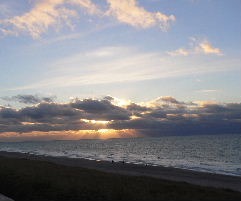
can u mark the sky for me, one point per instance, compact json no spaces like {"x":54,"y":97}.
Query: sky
{"x":74,"y":69}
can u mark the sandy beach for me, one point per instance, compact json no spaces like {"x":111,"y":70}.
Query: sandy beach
{"x":167,"y":173}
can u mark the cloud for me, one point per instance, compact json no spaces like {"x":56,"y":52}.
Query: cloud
{"x":46,"y":14}
{"x":28,"y":99}
{"x":178,"y":52}
{"x":167,"y":116}
{"x":168,"y":99}
{"x":206,"y":48}
{"x":88,"y":5}
{"x":191,"y":119}
{"x":101,"y":110}
{"x":129,"y":12}
{"x":136,"y":108}
{"x":108,"y":65}
{"x":208,"y":91}
{"x":197,"y":47}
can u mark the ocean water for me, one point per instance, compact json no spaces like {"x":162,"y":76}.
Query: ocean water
{"x":216,"y":154}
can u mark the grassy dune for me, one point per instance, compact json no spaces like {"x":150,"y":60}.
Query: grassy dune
{"x":30,"y":180}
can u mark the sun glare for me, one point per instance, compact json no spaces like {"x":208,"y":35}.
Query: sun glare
{"x":121,"y":102}
{"x":95,"y":121}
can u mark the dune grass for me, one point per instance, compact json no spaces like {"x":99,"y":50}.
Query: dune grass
{"x":30,"y":180}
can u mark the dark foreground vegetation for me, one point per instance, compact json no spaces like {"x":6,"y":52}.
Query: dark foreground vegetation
{"x":29,"y":180}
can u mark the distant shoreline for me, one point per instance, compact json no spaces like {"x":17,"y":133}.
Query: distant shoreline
{"x":167,"y":173}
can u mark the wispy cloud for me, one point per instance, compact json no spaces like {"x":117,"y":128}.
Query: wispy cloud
{"x":108,"y":65}
{"x":208,"y":91}
{"x":197,"y":47}
{"x":129,"y":12}
{"x":178,"y":52}
{"x":28,"y":99}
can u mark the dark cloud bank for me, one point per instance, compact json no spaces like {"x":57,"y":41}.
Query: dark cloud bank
{"x":164,"y":116}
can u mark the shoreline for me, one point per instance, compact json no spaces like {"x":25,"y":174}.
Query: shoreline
{"x":193,"y":169}
{"x":160,"y":172}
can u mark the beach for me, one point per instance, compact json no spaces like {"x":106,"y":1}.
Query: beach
{"x":200,"y":180}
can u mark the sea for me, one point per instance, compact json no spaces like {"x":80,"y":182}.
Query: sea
{"x":219,"y":154}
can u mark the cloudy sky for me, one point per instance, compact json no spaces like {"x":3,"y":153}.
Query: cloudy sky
{"x":75,"y":69}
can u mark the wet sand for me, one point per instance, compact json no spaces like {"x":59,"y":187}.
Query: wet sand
{"x":167,"y":173}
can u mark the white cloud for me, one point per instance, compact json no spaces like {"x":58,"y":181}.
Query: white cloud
{"x":197,"y":47}
{"x":206,"y":48}
{"x":44,"y":14}
{"x":129,"y":12}
{"x":57,"y":13}
{"x":87,"y":4}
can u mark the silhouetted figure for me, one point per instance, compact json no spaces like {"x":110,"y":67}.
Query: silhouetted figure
{"x":112,"y":161}
{"x":123,"y":162}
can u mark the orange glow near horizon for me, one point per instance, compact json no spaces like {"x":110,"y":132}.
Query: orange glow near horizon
{"x":69,"y":135}
{"x":134,"y":117}
{"x":106,"y":130}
